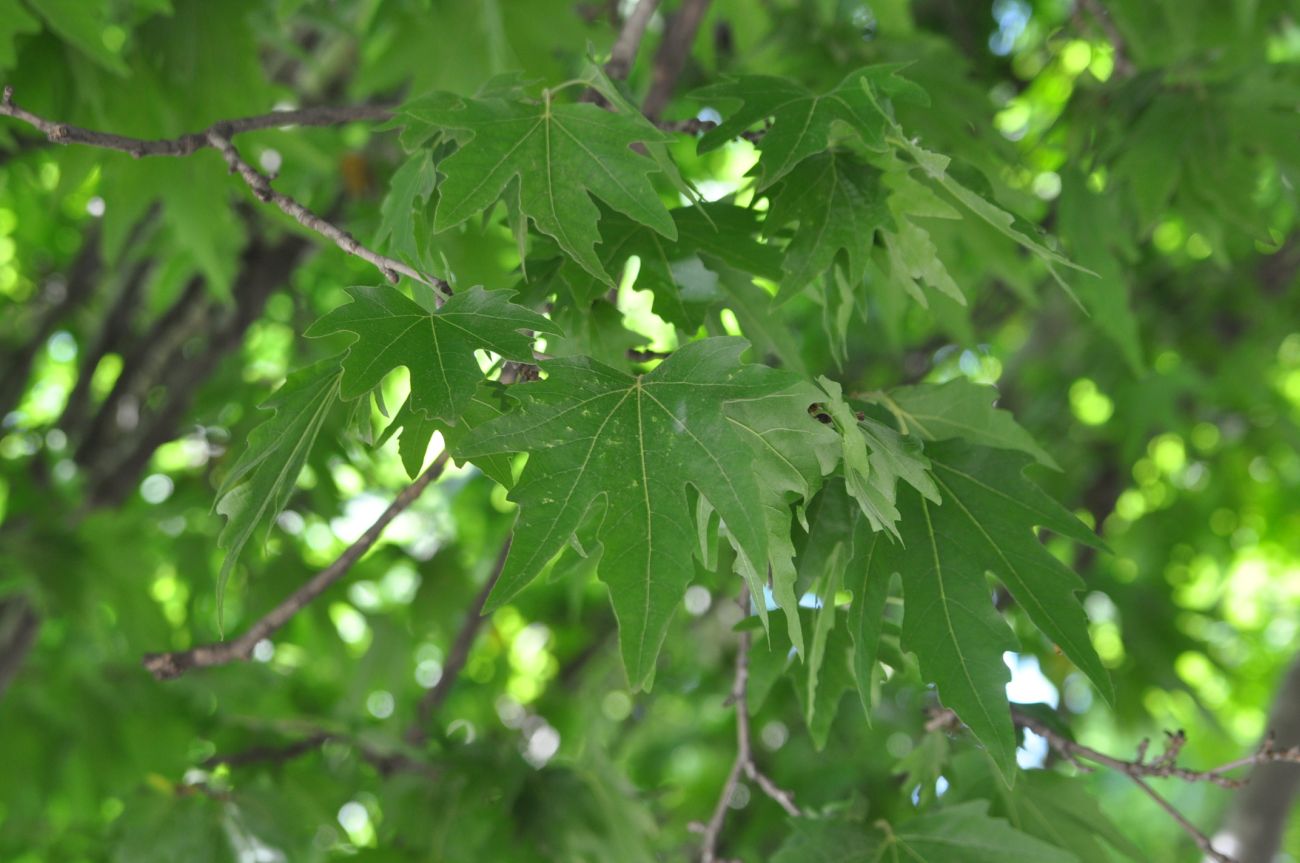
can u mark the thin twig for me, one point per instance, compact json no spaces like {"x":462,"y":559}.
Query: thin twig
{"x":744,"y":764}
{"x":457,"y":656}
{"x":262,"y":190}
{"x":218,"y":135}
{"x":623,"y":54}
{"x":1163,"y":766}
{"x":1139,"y":770}
{"x":384,"y":761}
{"x":671,"y":56}
{"x":64,"y":133}
{"x":165,"y":666}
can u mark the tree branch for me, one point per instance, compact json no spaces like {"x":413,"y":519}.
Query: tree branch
{"x":165,"y":666}
{"x":744,"y":764}
{"x":623,"y":54}
{"x":672,"y":54}
{"x":218,"y":135}
{"x":19,"y":626}
{"x":1163,"y":766}
{"x":385,"y":762}
{"x":262,"y":190}
{"x":457,"y":656}
{"x":64,"y":133}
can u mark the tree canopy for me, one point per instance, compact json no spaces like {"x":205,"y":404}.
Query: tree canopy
{"x":799,"y":430}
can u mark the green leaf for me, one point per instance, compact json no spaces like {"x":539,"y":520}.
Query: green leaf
{"x":415,"y":432}
{"x":560,"y":155}
{"x":437,"y":347}
{"x":755,"y":311}
{"x":954,"y":834}
{"x":984,"y":525}
{"x":914,"y":261}
{"x":411,"y":183}
{"x":257,"y":488}
{"x":801,"y":120}
{"x":594,"y":434}
{"x":15,"y":21}
{"x":875,"y":459}
{"x":82,"y":25}
{"x":922,"y":767}
{"x":839,"y":204}
{"x":792,"y":453}
{"x":960,"y":408}
{"x":935,"y":166}
{"x":682,"y":274}
{"x":1057,"y":809}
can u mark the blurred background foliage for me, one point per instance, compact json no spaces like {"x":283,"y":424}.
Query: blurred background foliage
{"x":148,"y":305}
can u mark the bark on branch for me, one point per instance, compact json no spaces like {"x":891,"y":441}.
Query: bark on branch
{"x":1140,"y":769}
{"x":218,"y":135}
{"x":744,"y":765}
{"x":65,"y":133}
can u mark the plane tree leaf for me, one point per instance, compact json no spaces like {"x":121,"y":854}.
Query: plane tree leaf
{"x":839,"y":205}
{"x":792,"y":454}
{"x":683,"y":273}
{"x":257,"y":488}
{"x":558,"y":155}
{"x":985,"y":525}
{"x":959,"y":408}
{"x":1056,"y":809}
{"x":634,"y":443}
{"x":802,"y":121}
{"x":875,"y":459}
{"x":953,"y":834}
{"x":437,"y":347}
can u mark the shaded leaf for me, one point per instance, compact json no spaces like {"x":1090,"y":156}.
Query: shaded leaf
{"x":437,"y":347}
{"x":257,"y":488}
{"x":595,"y":433}
{"x":559,"y":154}
{"x":802,"y":121}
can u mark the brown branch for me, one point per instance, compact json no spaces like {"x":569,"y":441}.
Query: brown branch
{"x":457,"y":656}
{"x":671,"y":56}
{"x":744,"y":763}
{"x":218,"y":135}
{"x":262,"y":190}
{"x":64,"y":133}
{"x":1140,"y":769}
{"x":623,"y":54}
{"x":263,"y":754}
{"x":19,"y":626}
{"x":385,"y":762}
{"x":165,"y":666}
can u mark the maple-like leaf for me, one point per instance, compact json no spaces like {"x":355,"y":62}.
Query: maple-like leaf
{"x":1057,"y":809}
{"x":839,"y":204}
{"x":257,"y":488}
{"x":415,"y":432}
{"x":984,"y":525}
{"x":596,"y":435}
{"x":802,"y":120}
{"x":964,"y":833}
{"x":557,"y":156}
{"x":959,"y":408}
{"x":683,"y":273}
{"x":792,"y":454}
{"x":437,"y":347}
{"x":875,"y":459}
